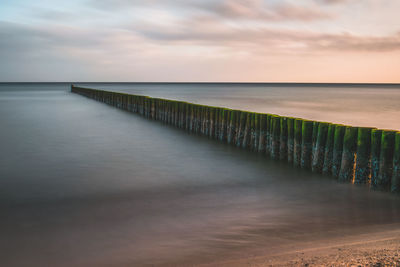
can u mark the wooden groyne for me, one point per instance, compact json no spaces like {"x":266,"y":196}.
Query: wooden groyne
{"x":349,"y":154}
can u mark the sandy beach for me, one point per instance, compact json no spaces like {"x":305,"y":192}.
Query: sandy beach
{"x":368,"y":249}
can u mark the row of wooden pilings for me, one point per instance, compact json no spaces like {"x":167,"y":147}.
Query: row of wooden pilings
{"x":357,"y":155}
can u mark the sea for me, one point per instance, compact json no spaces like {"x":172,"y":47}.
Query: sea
{"x":86,"y":184}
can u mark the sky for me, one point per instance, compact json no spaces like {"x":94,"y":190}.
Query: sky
{"x":200,"y":41}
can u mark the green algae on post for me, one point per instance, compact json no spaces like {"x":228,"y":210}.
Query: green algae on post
{"x":256,"y":131}
{"x":223,"y":126}
{"x":395,"y":187}
{"x":275,"y":138}
{"x":363,"y":161}
{"x":246,"y":133}
{"x":290,"y":139}
{"x":263,"y":133}
{"x":298,"y":125}
{"x":337,"y":149}
{"x":386,"y":160}
{"x":231,"y":127}
{"x":319,"y":147}
{"x":346,"y":173}
{"x":327,"y":168}
{"x":283,"y":150}
{"x":306,"y":144}
{"x":268,"y":135}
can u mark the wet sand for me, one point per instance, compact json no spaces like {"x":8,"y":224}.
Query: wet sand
{"x":371,"y":248}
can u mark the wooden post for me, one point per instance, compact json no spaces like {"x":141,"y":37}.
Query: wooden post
{"x":247,"y":133}
{"x":263,"y":133}
{"x":337,"y":149}
{"x":283,"y":149}
{"x":363,"y":161}
{"x":241,"y":128}
{"x":319,"y":147}
{"x":298,"y":126}
{"x":231,"y":128}
{"x":306,"y":144}
{"x":276,"y":128}
{"x":290,"y":139}
{"x":346,"y":173}
{"x":395,"y":188}
{"x":327,"y":168}
{"x":376,"y":138}
{"x":386,"y":160}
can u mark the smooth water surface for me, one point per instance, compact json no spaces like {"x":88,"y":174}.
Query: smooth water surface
{"x":86,"y":184}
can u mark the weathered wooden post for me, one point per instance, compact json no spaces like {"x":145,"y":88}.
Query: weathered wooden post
{"x":386,"y":160}
{"x":231,"y":128}
{"x":263,"y":133}
{"x":275,"y":136}
{"x":246,"y":132}
{"x":327,"y":168}
{"x":346,"y":173}
{"x":216,"y":122}
{"x":268,"y":136}
{"x":290,"y":139}
{"x":363,"y":161}
{"x":314,"y":138}
{"x":298,"y":128}
{"x":306,"y":144}
{"x":337,"y":149}
{"x":241,"y":128}
{"x":256,"y":131}
{"x":252,"y":132}
{"x":224,"y":124}
{"x":376,"y":138}
{"x":319,"y":147}
{"x":283,"y":149}
{"x":395,"y":188}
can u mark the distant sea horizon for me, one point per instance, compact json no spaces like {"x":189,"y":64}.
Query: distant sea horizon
{"x":222,"y":83}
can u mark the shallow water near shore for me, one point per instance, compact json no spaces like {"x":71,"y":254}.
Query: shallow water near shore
{"x":86,"y":184}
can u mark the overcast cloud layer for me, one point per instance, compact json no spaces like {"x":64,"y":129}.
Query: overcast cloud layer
{"x":200,"y":40}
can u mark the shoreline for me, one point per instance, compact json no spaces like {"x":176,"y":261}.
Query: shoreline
{"x":366,"y":249}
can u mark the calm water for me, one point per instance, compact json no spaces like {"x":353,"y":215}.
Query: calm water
{"x":85,"y":184}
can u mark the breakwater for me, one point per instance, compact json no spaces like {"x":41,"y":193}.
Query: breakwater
{"x":357,"y":155}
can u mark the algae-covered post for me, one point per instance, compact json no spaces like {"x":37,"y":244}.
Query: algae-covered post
{"x":231,"y":126}
{"x":290,"y":139}
{"x":395,"y":188}
{"x":386,"y":160}
{"x":268,"y":135}
{"x":319,"y":147}
{"x":298,"y":125}
{"x":306,"y":144}
{"x":337,"y":149}
{"x":283,"y":149}
{"x":263,"y":133}
{"x":275,"y":138}
{"x":327,"y":168}
{"x":247,"y":131}
{"x":376,"y":138}
{"x":346,"y":173}
{"x":363,"y":161}
{"x":241,"y":128}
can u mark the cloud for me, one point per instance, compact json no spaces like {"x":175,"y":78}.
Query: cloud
{"x":334,"y":1}
{"x":214,"y":32}
{"x":140,"y":39}
{"x":259,"y":10}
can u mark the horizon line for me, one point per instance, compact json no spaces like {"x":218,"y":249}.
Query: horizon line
{"x":225,"y":82}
